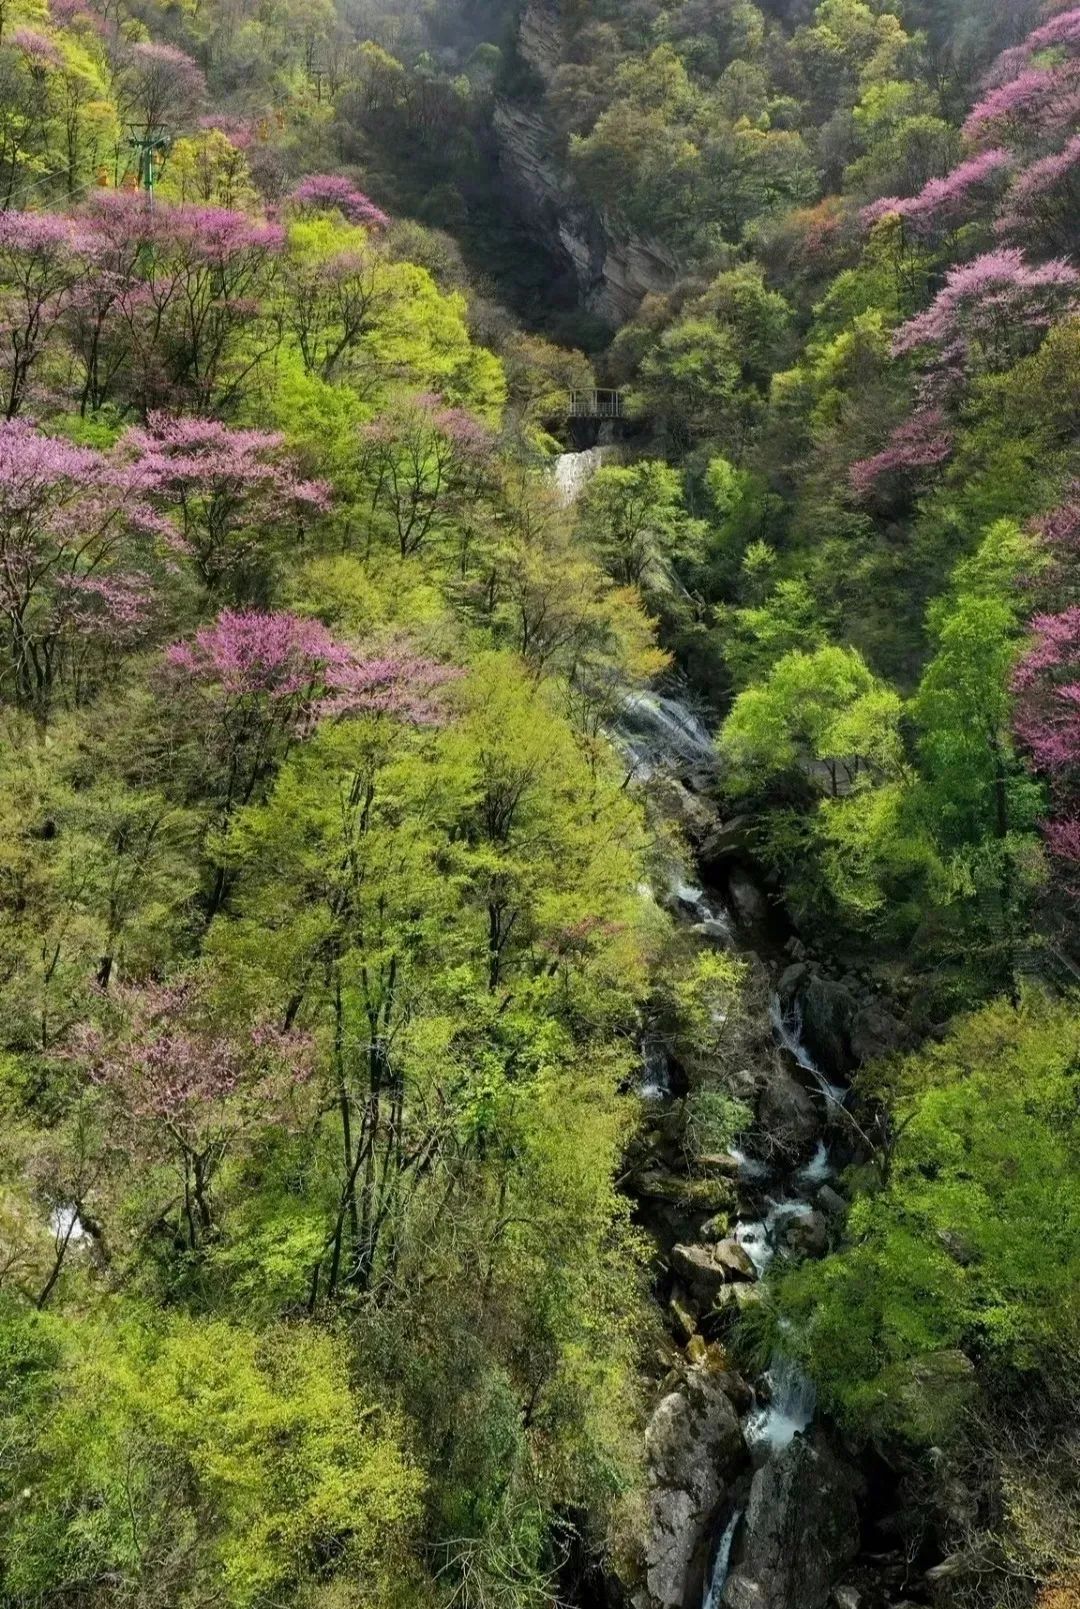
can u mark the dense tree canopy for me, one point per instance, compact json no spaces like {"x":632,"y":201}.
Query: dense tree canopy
{"x":329,"y":948}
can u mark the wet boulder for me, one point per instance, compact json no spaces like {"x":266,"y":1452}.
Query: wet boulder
{"x":694,"y":1452}
{"x":831,"y":1203}
{"x":846,"y":1597}
{"x":747,"y":898}
{"x":801,"y":1529}
{"x":704,"y":1269}
{"x":874,"y":1033}
{"x":789,"y":1119}
{"x":806,"y":1234}
{"x":727,"y":838}
{"x":675,"y":1205}
{"x":693,"y":1194}
{"x":824,"y":1011}
{"x":841,"y":1023}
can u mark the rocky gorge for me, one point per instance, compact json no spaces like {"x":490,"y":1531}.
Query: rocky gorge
{"x":753,"y":1500}
{"x":610,"y":267}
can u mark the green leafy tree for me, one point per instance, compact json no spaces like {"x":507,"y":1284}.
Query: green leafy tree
{"x":636,"y":520}
{"x":823,"y":714}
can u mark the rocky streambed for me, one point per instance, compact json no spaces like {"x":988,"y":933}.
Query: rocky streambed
{"x":753,"y":1500}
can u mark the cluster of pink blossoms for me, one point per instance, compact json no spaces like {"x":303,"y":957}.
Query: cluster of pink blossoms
{"x":162,"y":1054}
{"x":984,"y":299}
{"x":945,"y":202}
{"x":333,"y":191}
{"x":922,"y":442}
{"x":303,"y":673}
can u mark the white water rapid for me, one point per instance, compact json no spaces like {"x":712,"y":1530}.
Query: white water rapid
{"x":788,"y":1412}
{"x":66,"y":1225}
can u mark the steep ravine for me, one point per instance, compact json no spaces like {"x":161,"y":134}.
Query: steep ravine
{"x":753,"y":1503}
{"x":612,"y":267}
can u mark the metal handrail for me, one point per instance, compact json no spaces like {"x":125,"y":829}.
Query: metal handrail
{"x":598,"y":404}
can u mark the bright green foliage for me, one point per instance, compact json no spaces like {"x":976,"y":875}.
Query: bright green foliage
{"x":969,"y":1244}
{"x":203,"y":1458}
{"x":635,"y":520}
{"x":788,"y":620}
{"x":822,"y":713}
{"x":207,"y":168}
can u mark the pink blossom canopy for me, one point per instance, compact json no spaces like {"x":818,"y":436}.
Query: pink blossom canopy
{"x":289,"y":660}
{"x":997,"y":290}
{"x":922,"y":442}
{"x":327,"y":191}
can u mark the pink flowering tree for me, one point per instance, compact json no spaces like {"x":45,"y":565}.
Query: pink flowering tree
{"x":333,"y":192}
{"x":239,"y":131}
{"x":250,"y":685}
{"x":40,"y":53}
{"x":76,"y":542}
{"x":922,"y":444}
{"x":421,"y":461}
{"x":165,"y":308}
{"x":944,"y":204}
{"x":114,"y":237}
{"x":227,"y":490}
{"x":1031,"y":96}
{"x":1038,"y":104}
{"x":184,"y":1090}
{"x":1046,"y":683}
{"x":159,"y":86}
{"x":1059,"y":33}
{"x":1043,"y":204}
{"x":172,"y":309}
{"x":39,"y":268}
{"x":198,"y":323}
{"x":990,"y":312}
{"x":1047,"y":688}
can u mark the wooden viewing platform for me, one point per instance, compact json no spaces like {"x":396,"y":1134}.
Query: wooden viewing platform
{"x":596,"y":405}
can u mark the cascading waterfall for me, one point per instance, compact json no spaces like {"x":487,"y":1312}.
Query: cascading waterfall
{"x":787,"y":1027}
{"x":662,"y":732}
{"x":572,"y":472}
{"x":717,"y":1581}
{"x":788,"y":1412}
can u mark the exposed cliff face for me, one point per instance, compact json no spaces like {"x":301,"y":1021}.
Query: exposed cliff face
{"x":540,"y":37}
{"x":611,"y":268}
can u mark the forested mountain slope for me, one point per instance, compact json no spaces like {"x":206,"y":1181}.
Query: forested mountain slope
{"x":349,"y":1234}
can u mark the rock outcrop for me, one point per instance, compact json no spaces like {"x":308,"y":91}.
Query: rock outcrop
{"x":801,"y":1530}
{"x":695,"y":1452}
{"x":841,"y":1025}
{"x":612,"y":268}
{"x":539,"y":39}
{"x":704,"y":1269}
{"x":789,"y":1119}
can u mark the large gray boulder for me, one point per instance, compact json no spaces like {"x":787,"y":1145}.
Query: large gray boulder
{"x":694,"y":1451}
{"x":825,"y":1011}
{"x":789,"y":1119}
{"x":704,"y":1269}
{"x":747,"y":897}
{"x":801,"y":1529}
